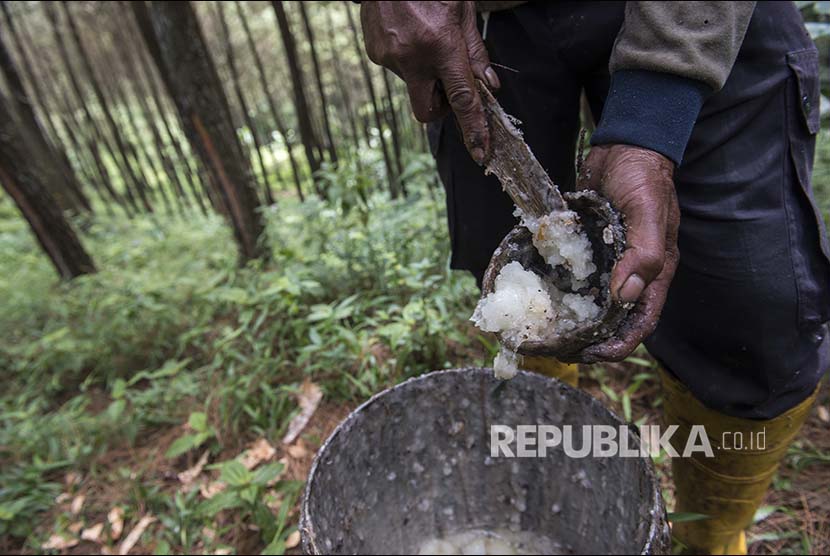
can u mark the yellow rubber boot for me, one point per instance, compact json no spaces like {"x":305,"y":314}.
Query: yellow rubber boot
{"x":548,"y":366}
{"x":729,"y":487}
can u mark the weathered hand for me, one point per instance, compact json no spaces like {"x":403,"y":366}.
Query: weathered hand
{"x":435,"y":47}
{"x":638,"y":182}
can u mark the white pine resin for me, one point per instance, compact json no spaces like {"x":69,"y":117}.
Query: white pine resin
{"x":489,"y":542}
{"x":560,"y":240}
{"x":506,"y":364}
{"x":522,"y":307}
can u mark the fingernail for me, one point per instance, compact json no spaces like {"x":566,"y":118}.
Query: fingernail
{"x":492,"y":78}
{"x":478,"y":154}
{"x":631,"y":289}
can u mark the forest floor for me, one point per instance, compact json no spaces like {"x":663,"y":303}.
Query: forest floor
{"x":144,"y":407}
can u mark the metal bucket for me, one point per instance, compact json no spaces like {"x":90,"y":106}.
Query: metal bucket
{"x":414,"y":463}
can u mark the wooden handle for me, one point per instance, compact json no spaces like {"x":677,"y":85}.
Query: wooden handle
{"x":513,"y":163}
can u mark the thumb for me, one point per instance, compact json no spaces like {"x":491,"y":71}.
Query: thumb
{"x":645,"y":252}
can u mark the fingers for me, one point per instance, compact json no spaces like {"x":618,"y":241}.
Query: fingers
{"x":477,"y":52}
{"x":427,"y":100}
{"x":640,"y":323}
{"x":459,"y":86}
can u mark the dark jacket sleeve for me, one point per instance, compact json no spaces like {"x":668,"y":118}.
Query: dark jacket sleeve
{"x":668,"y":57}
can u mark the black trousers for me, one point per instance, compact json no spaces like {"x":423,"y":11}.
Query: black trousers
{"x":744,"y":326}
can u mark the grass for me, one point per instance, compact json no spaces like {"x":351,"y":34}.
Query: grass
{"x":172,"y":356}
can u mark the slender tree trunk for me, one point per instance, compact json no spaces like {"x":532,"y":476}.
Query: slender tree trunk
{"x":394,"y":190}
{"x":243,"y":104}
{"x":23,"y":181}
{"x":344,"y":90}
{"x":141,"y":13}
{"x":206,"y":116}
{"x":318,"y":77}
{"x":135,"y":139}
{"x":140,"y":94}
{"x":396,"y":132}
{"x":70,"y":196}
{"x":310,"y":143}
{"x":123,"y":111}
{"x":52,"y":16}
{"x":275,"y":114}
{"x":198,"y":186}
{"x":56,"y":113}
{"x":121,"y":147}
{"x":75,"y":130}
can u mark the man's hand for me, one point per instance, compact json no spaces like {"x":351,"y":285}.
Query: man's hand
{"x":638,"y":182}
{"x":435,"y":47}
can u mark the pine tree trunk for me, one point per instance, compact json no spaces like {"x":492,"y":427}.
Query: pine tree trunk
{"x":278,"y":121}
{"x":123,"y":111}
{"x":396,"y":131}
{"x":53,"y":159}
{"x":24,"y":182}
{"x":99,"y":138}
{"x":310,"y":143}
{"x":394,"y":190}
{"x":344,"y":91}
{"x":139,"y":185}
{"x":318,"y":77}
{"x":206,"y":117}
{"x":41,"y":69}
{"x":140,"y":94}
{"x":243,"y":104}
{"x":146,"y":36}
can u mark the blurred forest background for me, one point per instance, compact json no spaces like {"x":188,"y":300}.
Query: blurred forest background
{"x":221,"y":230}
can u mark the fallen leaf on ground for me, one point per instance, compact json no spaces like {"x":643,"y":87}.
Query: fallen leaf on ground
{"x":256,"y":454}
{"x":209,"y":490}
{"x":824,"y":413}
{"x":72,"y":478}
{"x":133,"y":537}
{"x":76,"y":527}
{"x":293,"y":540}
{"x":297,"y":451}
{"x":58,"y":542}
{"x":115,"y":517}
{"x":308,"y":398}
{"x":93,"y":534}
{"x":209,"y":533}
{"x":62,"y":497}
{"x":189,"y":475}
{"x":77,"y":504}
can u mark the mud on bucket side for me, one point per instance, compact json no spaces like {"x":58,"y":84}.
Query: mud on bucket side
{"x":413,"y":463}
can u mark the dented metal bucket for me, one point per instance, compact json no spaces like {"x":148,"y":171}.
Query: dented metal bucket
{"x":414,"y":463}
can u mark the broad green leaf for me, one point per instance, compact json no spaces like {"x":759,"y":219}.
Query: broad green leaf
{"x":181,"y":445}
{"x":267,"y":473}
{"x":198,"y":421}
{"x":235,"y":474}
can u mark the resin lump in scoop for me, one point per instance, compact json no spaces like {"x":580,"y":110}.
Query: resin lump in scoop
{"x":560,"y":240}
{"x":520,"y":307}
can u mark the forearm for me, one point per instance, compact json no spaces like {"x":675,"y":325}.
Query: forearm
{"x":668,"y":57}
